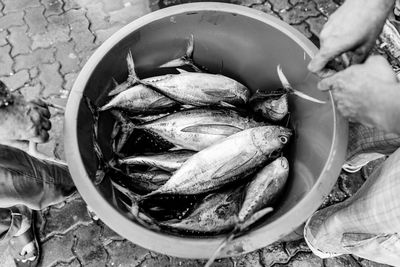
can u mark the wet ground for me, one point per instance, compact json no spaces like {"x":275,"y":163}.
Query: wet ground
{"x":43,"y":46}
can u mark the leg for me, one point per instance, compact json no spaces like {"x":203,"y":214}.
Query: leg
{"x":28,"y":181}
{"x":373,"y":211}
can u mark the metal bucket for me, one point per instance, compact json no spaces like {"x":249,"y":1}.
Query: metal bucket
{"x":238,"y":42}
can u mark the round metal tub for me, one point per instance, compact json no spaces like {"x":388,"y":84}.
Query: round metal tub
{"x":238,"y":42}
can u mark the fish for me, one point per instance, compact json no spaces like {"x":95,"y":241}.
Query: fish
{"x":195,"y":88}
{"x":264,"y":188}
{"x":260,"y":195}
{"x":198,"y":128}
{"x":168,"y":161}
{"x":227,"y":161}
{"x":140,"y":99}
{"x":123,"y":129}
{"x":271,"y":106}
{"x":216,"y":213}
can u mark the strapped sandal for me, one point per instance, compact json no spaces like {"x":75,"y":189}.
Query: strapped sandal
{"x":18,"y":243}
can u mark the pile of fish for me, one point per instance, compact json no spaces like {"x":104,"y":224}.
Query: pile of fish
{"x":196,"y":153}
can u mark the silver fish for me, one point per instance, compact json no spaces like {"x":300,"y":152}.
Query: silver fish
{"x":169,"y":161}
{"x":231,"y":159}
{"x":217,"y":212}
{"x":198,"y":89}
{"x":141,"y":99}
{"x":265,"y":187}
{"x":196,"y":129}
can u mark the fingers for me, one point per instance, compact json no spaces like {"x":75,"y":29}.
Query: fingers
{"x":318,"y":63}
{"x":39,"y":116}
{"x":331,"y":82}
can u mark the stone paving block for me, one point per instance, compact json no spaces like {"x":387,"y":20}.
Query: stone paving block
{"x":266,"y":8}
{"x":19,"y":40}
{"x":11,"y":19}
{"x":304,"y":29}
{"x":72,"y":4}
{"x":68,"y":58}
{"x":69,"y":81}
{"x":17,"y":80}
{"x":35,"y":58}
{"x":294,"y":247}
{"x":33,"y":72}
{"x":6,"y":61}
{"x":73,"y":16}
{"x":367,"y":263}
{"x":89,"y":250}
{"x":304,"y":260}
{"x":109,"y":6}
{"x":350,"y":182}
{"x":341,"y":261}
{"x":18,"y":5}
{"x":108,"y":235}
{"x":50,"y":78}
{"x":280,"y":5}
{"x":129,"y":13}
{"x":82,"y":36}
{"x":35,"y":20}
{"x":3,"y":38}
{"x":154,"y":259}
{"x":299,"y":13}
{"x":55,"y":34}
{"x":73,"y":263}
{"x":335,"y":196}
{"x":125,"y":253}
{"x":316,"y":24}
{"x":31,"y":92}
{"x":52,"y":7}
{"x":249,"y":260}
{"x":274,"y":253}
{"x":58,"y":249}
{"x":327,"y":7}
{"x":97,"y":17}
{"x":68,"y":217}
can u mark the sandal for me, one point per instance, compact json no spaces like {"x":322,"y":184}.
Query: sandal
{"x":18,"y":243}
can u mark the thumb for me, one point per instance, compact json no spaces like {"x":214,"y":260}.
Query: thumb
{"x":328,"y":83}
{"x":320,"y":60}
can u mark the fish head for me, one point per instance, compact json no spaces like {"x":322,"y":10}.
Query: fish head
{"x":274,"y":109}
{"x":271,"y":138}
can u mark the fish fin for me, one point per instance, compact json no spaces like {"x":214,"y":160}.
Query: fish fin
{"x":227,"y":105}
{"x":255,"y":218}
{"x":162,"y":101}
{"x":213,"y":129}
{"x":178,"y":62}
{"x":187,"y":106}
{"x":237,"y":162}
{"x":219,"y":93}
{"x":190,"y":47}
{"x":288,"y":87}
{"x":182,"y":70}
{"x":131,"y":66}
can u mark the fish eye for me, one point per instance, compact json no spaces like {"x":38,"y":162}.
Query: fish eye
{"x":283,"y":139}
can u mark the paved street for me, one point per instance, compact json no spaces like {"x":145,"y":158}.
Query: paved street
{"x":43,"y":46}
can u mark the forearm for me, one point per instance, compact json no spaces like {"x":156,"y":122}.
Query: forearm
{"x":13,"y":124}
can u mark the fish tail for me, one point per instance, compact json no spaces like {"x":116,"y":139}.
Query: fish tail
{"x":131,"y":67}
{"x":223,"y":244}
{"x":288,"y":87}
{"x":153,"y":193}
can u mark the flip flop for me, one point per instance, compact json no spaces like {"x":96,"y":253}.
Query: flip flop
{"x":17,"y":243}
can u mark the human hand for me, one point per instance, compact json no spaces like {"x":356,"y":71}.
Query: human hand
{"x":353,"y":27}
{"x":367,"y":93}
{"x":25,"y":121}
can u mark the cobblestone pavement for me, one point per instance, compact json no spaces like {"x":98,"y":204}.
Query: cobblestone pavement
{"x":43,"y":46}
